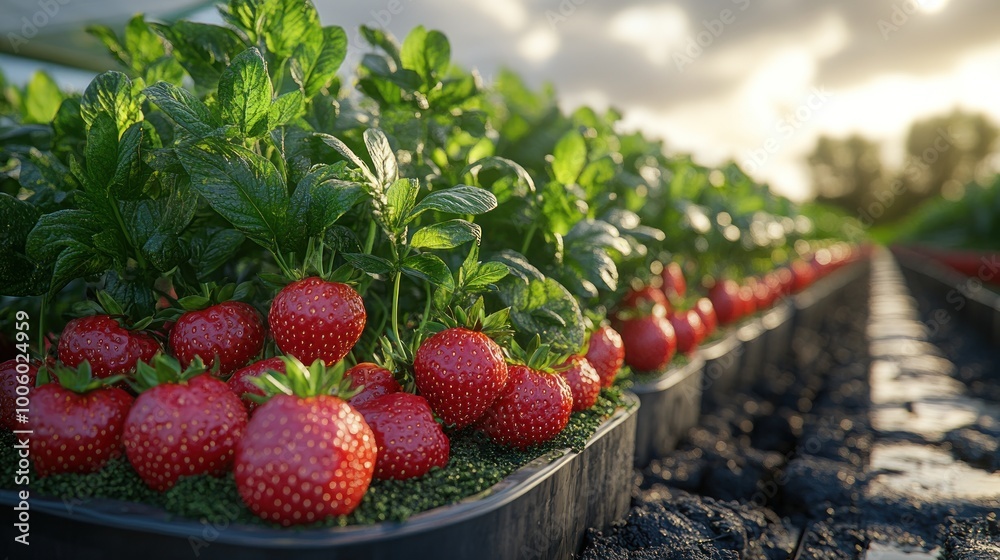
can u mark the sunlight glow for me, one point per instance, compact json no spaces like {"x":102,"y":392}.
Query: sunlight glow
{"x":932,"y":6}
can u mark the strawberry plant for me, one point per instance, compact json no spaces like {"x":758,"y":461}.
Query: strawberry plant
{"x":226,"y":179}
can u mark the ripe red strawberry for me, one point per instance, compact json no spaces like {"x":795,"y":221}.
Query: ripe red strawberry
{"x":410,"y":442}
{"x":688,"y":329}
{"x":182,"y":423}
{"x":231,"y":333}
{"x":773,"y":282}
{"x":725,"y":299}
{"x":673,"y":280}
{"x":110,"y":348}
{"x":532,"y":408}
{"x":645,"y":299}
{"x":313,"y":319}
{"x":583,"y":381}
{"x":706,"y":311}
{"x":649,"y":341}
{"x":241,"y":382}
{"x":748,"y":304}
{"x":307,"y":455}
{"x":14,"y":373}
{"x":786,"y":279}
{"x":803,"y":275}
{"x":77,"y":422}
{"x":460,"y":372}
{"x":606,"y":353}
{"x":375,"y":380}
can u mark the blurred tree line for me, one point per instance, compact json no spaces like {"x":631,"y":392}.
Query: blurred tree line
{"x":943,"y":154}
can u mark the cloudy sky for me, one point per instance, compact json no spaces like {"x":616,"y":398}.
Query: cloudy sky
{"x":753,"y":80}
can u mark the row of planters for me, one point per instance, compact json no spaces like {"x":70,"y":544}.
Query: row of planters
{"x":270,"y":311}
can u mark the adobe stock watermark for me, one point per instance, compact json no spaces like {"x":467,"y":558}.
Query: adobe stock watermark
{"x":785,"y":128}
{"x":885,"y":198}
{"x":563,"y":12}
{"x":901,"y":13}
{"x":712,"y":29}
{"x":47,"y":11}
{"x":380,"y":18}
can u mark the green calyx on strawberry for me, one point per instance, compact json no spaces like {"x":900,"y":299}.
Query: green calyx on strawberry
{"x":184,"y":422}
{"x":105,"y":339}
{"x":221,"y":331}
{"x":77,"y":422}
{"x":535,"y":404}
{"x":299,"y":380}
{"x":241,"y":382}
{"x":307,"y":455}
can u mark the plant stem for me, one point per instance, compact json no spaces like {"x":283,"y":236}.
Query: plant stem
{"x":528,"y":238}
{"x":370,"y":241}
{"x":395,"y":309}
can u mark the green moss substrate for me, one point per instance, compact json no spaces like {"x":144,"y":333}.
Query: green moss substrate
{"x":476,"y":464}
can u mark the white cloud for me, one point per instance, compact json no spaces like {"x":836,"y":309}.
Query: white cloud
{"x":654,"y":30}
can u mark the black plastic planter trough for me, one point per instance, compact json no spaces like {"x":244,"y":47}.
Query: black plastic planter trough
{"x":813,"y":303}
{"x":541,"y":511}
{"x":722,"y":367}
{"x":967,"y":295}
{"x":669,"y":407}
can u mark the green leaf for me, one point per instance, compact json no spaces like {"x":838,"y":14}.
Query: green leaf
{"x":401,"y":197}
{"x":285,"y":109}
{"x":16,"y":220}
{"x":446,"y":235}
{"x":461,"y":199}
{"x":183,"y":108}
{"x":546,"y":308}
{"x":41,"y":99}
{"x":242,"y":186}
{"x":101,"y":151}
{"x":318,"y":64}
{"x":142,"y":45}
{"x":203,"y":50}
{"x":383,"y":40}
{"x":430,"y":268}
{"x":211,"y":248}
{"x":107,"y":36}
{"x":131,"y":174}
{"x":426,"y":53}
{"x":369,"y":264}
{"x":111,"y":93}
{"x":156,"y":225}
{"x":286,"y":23}
{"x":343,"y":150}
{"x":569,"y":158}
{"x":76,"y":261}
{"x":485,"y":275}
{"x":518,"y":266}
{"x":513,"y":181}
{"x":382,"y":156}
{"x":53,"y":232}
{"x":245,"y":93}
{"x":322,"y":197}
